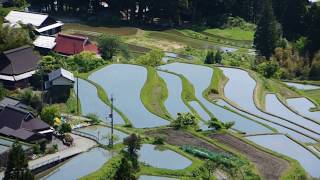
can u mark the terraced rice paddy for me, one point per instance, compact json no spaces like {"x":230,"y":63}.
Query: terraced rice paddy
{"x":240,"y":78}
{"x":286,"y":146}
{"x":103,"y":133}
{"x":173,"y":103}
{"x":166,"y":159}
{"x":75,"y":168}
{"x":274,"y":106}
{"x":92,"y":104}
{"x":200,"y":78}
{"x":303,"y":106}
{"x":125,"y":83}
{"x":302,"y":86}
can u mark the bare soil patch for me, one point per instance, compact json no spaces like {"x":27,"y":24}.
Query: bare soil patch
{"x":180,"y":138}
{"x":269,"y":166}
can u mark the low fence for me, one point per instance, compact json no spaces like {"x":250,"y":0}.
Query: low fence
{"x":49,"y":161}
{"x":87,"y":135}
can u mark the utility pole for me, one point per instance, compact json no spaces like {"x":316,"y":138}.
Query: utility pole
{"x":111,"y":116}
{"x":77,"y":95}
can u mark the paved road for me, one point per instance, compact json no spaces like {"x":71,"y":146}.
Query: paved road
{"x":81,"y":144}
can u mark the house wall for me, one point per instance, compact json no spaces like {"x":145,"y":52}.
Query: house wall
{"x":15,"y":84}
{"x":62,"y":82}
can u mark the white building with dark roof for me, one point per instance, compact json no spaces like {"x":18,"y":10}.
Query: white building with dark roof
{"x":42,"y":23}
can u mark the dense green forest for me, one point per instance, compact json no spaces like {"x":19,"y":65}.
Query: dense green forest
{"x":287,"y":30}
{"x":286,"y":38}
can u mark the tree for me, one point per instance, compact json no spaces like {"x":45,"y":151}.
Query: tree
{"x":315,"y":68}
{"x":17,"y":165}
{"x":152,"y":58}
{"x":108,"y":44}
{"x":293,"y":19}
{"x":19,"y":3}
{"x":313,"y":36}
{"x":218,"y":57}
{"x":269,"y":69}
{"x":133,"y":143}
{"x":84,"y":62}
{"x":267,"y":34}
{"x":125,"y":171}
{"x":218,"y":125}
{"x":48,"y":114}
{"x":11,"y":38}
{"x":185,"y":121}
{"x":208,"y":169}
{"x":209,"y":58}
{"x":51,"y":63}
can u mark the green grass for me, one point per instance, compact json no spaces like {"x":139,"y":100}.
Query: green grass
{"x":121,"y":31}
{"x":313,"y":94}
{"x":265,"y":86}
{"x":232,"y":33}
{"x":217,"y":82}
{"x":208,"y":38}
{"x":108,"y":170}
{"x":195,"y":43}
{"x":154,"y":93}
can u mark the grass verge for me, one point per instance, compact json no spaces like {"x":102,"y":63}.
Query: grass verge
{"x":154,"y":93}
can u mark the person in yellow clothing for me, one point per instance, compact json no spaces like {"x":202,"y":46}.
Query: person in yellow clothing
{"x":57,"y":121}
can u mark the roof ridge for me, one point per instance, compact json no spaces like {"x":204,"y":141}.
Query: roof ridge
{"x":31,"y":12}
{"x":73,"y":36}
{"x":16,"y":49}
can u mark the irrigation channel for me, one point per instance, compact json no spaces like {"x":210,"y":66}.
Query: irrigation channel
{"x":126,"y":81}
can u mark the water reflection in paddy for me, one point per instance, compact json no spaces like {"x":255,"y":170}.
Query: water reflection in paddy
{"x":302,"y":86}
{"x":91,"y":103}
{"x":202,"y":113}
{"x":125,"y":83}
{"x":166,"y":159}
{"x":274,"y":106}
{"x":200,"y":77}
{"x":303,"y":106}
{"x":81,"y":165}
{"x":240,"y":78}
{"x":174,"y":103}
{"x":275,"y":126}
{"x":284,"y":145}
{"x":102,"y":133}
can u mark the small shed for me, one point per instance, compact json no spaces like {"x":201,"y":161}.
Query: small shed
{"x":59,"y":85}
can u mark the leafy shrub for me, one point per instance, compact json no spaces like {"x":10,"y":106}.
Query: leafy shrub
{"x":48,"y":114}
{"x":153,"y":58}
{"x":158,"y":140}
{"x":84,"y":62}
{"x":218,"y":125}
{"x":185,"y":121}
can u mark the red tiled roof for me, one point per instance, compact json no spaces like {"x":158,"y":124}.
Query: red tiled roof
{"x":70,"y":45}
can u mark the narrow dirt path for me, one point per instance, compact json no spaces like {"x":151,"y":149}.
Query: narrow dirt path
{"x":269,"y":166}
